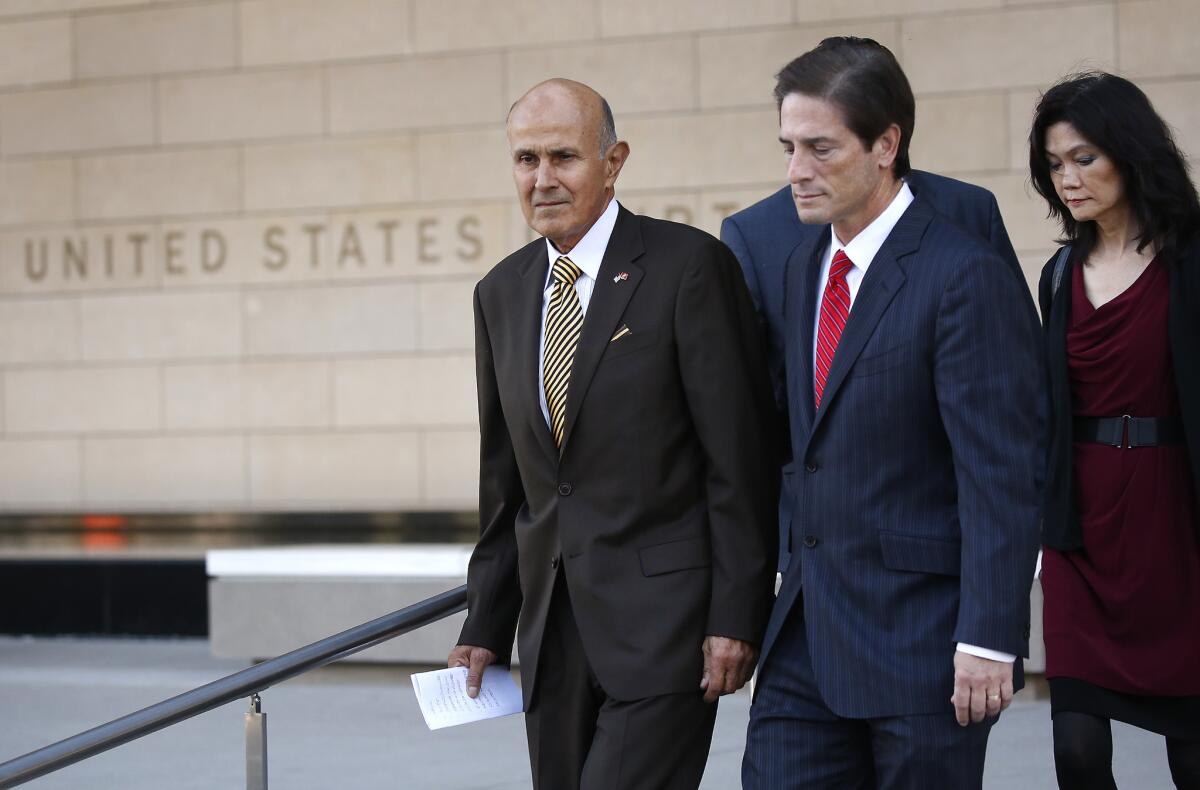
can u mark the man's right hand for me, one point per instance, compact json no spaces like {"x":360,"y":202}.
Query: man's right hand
{"x":474,"y":659}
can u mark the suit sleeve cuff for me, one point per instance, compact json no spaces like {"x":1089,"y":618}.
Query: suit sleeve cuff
{"x":983,"y":652}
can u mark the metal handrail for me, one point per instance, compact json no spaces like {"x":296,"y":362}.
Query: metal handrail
{"x":236,"y":686}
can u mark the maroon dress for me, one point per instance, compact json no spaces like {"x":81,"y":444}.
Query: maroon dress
{"x":1122,"y":616}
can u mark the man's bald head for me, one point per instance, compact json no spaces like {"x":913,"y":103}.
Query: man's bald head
{"x":563,"y":183}
{"x":594,"y":111}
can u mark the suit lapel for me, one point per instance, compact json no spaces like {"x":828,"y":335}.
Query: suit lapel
{"x":883,"y":279}
{"x":609,"y":299}
{"x":528,"y":305}
{"x":801,"y":273}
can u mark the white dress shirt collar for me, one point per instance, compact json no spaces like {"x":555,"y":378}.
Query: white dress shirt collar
{"x":587,"y":255}
{"x":589,"y":252}
{"x":863,"y":248}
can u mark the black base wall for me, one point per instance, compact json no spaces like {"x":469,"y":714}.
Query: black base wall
{"x":100,"y":596}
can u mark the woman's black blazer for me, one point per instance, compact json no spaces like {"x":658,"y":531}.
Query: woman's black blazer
{"x":1061,"y":528}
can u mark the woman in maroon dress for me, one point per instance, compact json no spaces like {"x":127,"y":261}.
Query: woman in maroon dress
{"x":1121,"y":307}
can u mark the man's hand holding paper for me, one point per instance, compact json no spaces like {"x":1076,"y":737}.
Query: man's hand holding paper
{"x":442,"y":695}
{"x":475,"y":659}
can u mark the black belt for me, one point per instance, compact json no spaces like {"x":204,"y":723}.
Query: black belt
{"x":1126,"y":431}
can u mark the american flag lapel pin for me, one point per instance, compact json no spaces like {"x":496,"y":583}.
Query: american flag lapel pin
{"x":621,"y":276}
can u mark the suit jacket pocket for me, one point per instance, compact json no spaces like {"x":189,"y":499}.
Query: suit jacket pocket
{"x":903,"y":552}
{"x":677,"y":555}
{"x":635,"y":340}
{"x":877,"y":363}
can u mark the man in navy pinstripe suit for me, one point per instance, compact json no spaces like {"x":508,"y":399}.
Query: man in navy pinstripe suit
{"x":912,"y":381}
{"x":763,"y":235}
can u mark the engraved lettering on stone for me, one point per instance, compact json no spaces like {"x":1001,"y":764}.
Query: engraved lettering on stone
{"x":213,"y":249}
{"x":36,"y":269}
{"x":138,"y":240}
{"x":725,"y":209}
{"x":387,"y":226}
{"x":403,"y":244}
{"x":74,"y":257}
{"x":472,"y":247}
{"x":677,"y":213}
{"x":425,"y":241}
{"x":277,"y":256}
{"x":109,"y":261}
{"x":314,"y":244}
{"x":172,"y":240}
{"x":350,"y":247}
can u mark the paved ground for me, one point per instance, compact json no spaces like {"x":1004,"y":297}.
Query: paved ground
{"x":351,"y":728}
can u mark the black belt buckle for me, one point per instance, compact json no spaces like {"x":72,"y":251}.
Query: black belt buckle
{"x":1127,"y":432}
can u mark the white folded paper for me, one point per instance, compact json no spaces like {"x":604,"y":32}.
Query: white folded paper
{"x":442,"y":695}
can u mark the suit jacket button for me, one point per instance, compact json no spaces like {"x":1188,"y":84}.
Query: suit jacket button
{"x":811,"y":541}
{"x":810,"y":467}
{"x":554,"y":563}
{"x":564,"y":489}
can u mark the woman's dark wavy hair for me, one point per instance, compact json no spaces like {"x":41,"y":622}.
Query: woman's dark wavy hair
{"x":1115,"y":116}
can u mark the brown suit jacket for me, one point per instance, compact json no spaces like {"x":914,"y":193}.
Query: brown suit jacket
{"x":660,"y":507}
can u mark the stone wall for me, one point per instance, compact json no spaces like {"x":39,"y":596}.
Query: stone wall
{"x":238,"y":239}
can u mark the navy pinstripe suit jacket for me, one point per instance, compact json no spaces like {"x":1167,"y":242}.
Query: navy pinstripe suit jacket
{"x":915,"y":493}
{"x":764,"y":235}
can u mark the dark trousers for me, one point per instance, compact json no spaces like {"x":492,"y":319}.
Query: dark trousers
{"x":794,"y":741}
{"x":582,"y":739}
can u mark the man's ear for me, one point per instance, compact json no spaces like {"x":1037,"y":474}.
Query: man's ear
{"x":614,"y":160}
{"x":887,"y":146}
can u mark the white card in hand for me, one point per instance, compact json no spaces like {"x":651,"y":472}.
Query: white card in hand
{"x":442,"y":695}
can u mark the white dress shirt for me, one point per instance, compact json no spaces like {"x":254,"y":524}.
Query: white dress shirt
{"x":587,"y":255}
{"x":861,"y":250}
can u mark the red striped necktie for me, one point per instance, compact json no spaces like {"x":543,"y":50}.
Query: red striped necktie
{"x":835,"y":309}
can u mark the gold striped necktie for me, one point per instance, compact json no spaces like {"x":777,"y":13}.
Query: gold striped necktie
{"x":564,"y":319}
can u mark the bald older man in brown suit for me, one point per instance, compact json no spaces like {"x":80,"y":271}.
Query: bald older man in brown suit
{"x":628,"y":480}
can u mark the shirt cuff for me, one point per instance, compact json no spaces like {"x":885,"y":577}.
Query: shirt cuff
{"x":983,"y":652}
